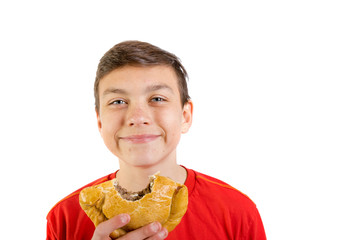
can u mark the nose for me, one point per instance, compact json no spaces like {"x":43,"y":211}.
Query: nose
{"x":138,"y":115}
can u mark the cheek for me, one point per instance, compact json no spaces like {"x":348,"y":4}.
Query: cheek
{"x":110,"y":127}
{"x":171,"y":122}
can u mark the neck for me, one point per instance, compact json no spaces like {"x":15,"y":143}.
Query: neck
{"x":135,"y":178}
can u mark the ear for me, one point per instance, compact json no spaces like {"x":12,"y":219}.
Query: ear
{"x":187,"y":116}
{"x":98,"y":120}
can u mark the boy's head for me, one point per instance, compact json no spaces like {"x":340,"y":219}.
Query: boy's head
{"x":136,"y":53}
{"x":142,"y":103}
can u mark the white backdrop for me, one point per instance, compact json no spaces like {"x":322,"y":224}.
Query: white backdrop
{"x":275,"y":86}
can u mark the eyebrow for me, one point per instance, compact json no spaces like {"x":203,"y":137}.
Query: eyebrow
{"x":150,"y":88}
{"x":156,"y":87}
{"x":114,"y":90}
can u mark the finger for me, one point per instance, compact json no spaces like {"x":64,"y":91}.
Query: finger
{"x":153,"y":231}
{"x":162,"y":234}
{"x":104,"y":229}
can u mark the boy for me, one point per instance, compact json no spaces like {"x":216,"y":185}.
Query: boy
{"x":143,"y":107}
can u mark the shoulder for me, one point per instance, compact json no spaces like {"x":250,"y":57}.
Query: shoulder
{"x":71,"y":201}
{"x":218,"y":185}
{"x":67,"y":220}
{"x":211,"y":189}
{"x":220,"y":208}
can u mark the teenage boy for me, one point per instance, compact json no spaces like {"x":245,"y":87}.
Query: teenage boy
{"x":143,"y":107}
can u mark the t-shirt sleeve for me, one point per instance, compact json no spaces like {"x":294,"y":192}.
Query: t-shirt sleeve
{"x":50,"y":231}
{"x":256,"y":228}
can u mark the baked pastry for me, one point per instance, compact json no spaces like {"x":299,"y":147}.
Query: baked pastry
{"x":164,"y":201}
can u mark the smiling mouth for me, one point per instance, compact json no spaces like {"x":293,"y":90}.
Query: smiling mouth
{"x":144,"y":138}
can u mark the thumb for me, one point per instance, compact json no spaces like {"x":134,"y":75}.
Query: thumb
{"x":104,"y":229}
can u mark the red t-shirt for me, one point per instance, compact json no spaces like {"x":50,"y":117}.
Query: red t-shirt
{"x":215,"y":211}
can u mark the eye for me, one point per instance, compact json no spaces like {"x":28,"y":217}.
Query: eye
{"x":117,"y":102}
{"x":157,"y":99}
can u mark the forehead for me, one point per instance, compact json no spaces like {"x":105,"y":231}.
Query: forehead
{"x":138,"y":77}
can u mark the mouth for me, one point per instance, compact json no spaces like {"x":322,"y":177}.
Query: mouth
{"x":143,"y":138}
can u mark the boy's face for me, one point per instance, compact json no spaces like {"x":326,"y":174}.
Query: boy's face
{"x":140,"y":116}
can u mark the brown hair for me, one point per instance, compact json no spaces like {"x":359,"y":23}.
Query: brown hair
{"x":138,"y":53}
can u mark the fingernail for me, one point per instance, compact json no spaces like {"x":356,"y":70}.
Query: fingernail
{"x":155,"y":227}
{"x":124,"y":218}
{"x":162,"y":234}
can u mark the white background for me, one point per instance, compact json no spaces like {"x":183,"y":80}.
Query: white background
{"x":275,"y":86}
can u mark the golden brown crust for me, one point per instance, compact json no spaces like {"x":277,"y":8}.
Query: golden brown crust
{"x":167,"y":204}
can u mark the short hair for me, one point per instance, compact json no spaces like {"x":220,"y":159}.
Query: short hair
{"x":137,"y":53}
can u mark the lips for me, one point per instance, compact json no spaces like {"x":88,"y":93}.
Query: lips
{"x":143,"y":138}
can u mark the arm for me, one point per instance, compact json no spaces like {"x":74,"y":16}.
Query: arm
{"x":50,"y":234}
{"x":256,"y":230}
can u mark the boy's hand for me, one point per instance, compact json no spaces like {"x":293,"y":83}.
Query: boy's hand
{"x":153,"y":231}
